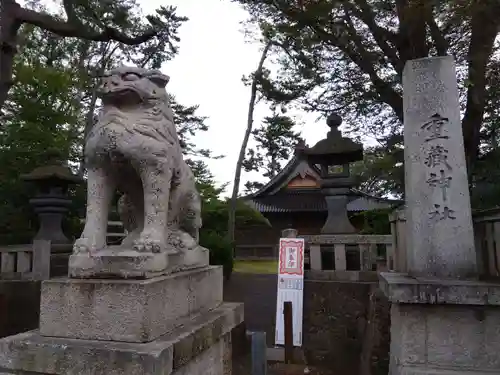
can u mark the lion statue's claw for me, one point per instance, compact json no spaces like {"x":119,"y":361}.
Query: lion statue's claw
{"x":83,"y":245}
{"x":149,"y":243}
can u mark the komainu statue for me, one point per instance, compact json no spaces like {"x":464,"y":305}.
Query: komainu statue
{"x":134,"y":148}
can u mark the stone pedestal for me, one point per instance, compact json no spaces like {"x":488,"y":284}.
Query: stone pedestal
{"x":126,"y":310}
{"x":337,"y":220}
{"x":174,"y":324}
{"x":443,"y":327}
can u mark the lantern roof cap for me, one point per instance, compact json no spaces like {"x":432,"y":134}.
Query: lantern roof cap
{"x":334,"y":149}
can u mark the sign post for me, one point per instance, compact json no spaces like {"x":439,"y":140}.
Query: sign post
{"x":290,"y":287}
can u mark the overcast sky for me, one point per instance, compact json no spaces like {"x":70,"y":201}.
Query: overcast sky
{"x":213,"y":58}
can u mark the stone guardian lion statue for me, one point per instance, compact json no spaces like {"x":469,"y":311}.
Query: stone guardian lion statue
{"x":134,"y":148}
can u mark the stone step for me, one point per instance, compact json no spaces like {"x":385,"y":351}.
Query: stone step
{"x":127,"y":310}
{"x":200,"y":346}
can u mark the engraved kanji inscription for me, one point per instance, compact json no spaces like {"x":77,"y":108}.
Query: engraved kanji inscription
{"x":442,"y":214}
{"x":437,"y":156}
{"x":434,"y":127}
{"x":442,"y":181}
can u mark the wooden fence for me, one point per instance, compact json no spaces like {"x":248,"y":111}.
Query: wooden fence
{"x":486,"y":234}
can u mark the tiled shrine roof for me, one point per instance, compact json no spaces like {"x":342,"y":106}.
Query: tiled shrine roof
{"x":296,"y":189}
{"x":314,"y":201}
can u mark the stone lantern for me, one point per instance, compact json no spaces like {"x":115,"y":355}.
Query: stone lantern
{"x":334,"y":155}
{"x":51,"y":200}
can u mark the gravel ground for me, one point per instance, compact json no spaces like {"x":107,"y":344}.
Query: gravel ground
{"x":242,"y":366}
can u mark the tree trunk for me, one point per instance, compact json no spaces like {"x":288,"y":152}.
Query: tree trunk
{"x":9,"y":27}
{"x":244,"y":144}
{"x":484,"y":30}
{"x":89,"y":118}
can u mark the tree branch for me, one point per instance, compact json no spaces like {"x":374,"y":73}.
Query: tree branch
{"x":381,"y":35}
{"x":244,"y":144}
{"x":9,"y":28}
{"x":412,"y":29}
{"x":437,"y":35}
{"x":67,"y":29}
{"x":12,"y":16}
{"x":362,"y":58}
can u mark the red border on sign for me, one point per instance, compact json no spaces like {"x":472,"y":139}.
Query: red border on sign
{"x":300,"y":259}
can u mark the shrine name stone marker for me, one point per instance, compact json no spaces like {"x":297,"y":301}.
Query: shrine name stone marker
{"x":443,"y":320}
{"x":438,"y":213}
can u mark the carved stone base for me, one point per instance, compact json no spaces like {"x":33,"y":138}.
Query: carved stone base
{"x":116,"y":261}
{"x":443,"y":327}
{"x":201,"y":345}
{"x":126,"y":310}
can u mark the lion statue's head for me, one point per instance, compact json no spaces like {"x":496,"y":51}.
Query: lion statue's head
{"x":134,"y":99}
{"x":129,"y":86}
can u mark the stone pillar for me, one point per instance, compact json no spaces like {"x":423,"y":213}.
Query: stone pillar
{"x":439,"y":231}
{"x":443,"y":320}
{"x":364,"y":249}
{"x":315,"y":257}
{"x":337,"y":220}
{"x":398,"y":231}
{"x":340,"y":258}
{"x":389,"y":257}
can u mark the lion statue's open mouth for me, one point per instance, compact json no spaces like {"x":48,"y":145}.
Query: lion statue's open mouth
{"x":120,"y":95}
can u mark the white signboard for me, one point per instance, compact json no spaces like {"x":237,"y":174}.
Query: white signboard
{"x":290,"y":287}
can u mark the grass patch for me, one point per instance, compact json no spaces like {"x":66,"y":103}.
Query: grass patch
{"x":256,"y":266}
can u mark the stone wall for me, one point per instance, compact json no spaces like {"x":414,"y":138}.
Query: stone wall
{"x":346,"y":324}
{"x":376,"y":342}
{"x":19,"y":306}
{"x":258,"y":293}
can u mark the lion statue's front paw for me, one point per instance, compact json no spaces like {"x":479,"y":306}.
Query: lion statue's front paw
{"x":150,"y":241}
{"x":83,"y":245}
{"x":181,"y":241}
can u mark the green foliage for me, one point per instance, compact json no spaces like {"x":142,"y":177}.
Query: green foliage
{"x":220,"y":250}
{"x":375,"y":221}
{"x":213,"y":234}
{"x":215,"y":213}
{"x":485,"y":185}
{"x":40,"y":117}
{"x":275,"y":143}
{"x":381,"y":172}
